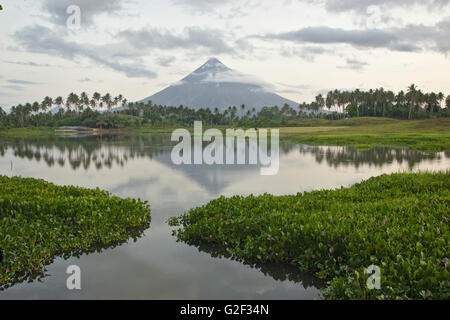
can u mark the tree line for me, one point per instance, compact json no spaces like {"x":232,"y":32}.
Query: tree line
{"x":107,"y":111}
{"x":381,"y":103}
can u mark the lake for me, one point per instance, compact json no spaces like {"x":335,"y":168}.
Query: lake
{"x":155,"y":266}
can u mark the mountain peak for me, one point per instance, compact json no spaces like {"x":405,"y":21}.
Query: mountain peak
{"x":209,"y":69}
{"x":214,"y":61}
{"x":213,"y":64}
{"x":214,"y":85}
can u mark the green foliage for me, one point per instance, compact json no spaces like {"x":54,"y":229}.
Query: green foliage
{"x":398,"y":222}
{"x":80,"y":110}
{"x":39,"y":220}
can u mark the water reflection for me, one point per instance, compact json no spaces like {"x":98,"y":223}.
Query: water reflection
{"x":279,"y":272}
{"x":378,"y":157}
{"x":114,"y":150}
{"x":38,"y":275}
{"x":156,"y":266}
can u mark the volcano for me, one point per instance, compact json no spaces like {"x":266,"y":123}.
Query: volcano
{"x":214,"y":85}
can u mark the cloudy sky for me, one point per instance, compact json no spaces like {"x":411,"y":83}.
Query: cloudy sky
{"x":302,"y":47}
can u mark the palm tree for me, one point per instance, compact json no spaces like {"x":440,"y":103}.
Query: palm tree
{"x":96,"y":96}
{"x":35,"y":107}
{"x":447,"y":102}
{"x":2,"y":115}
{"x":72,"y":100}
{"x":441,"y":98}
{"x":412,"y":91}
{"x":59,"y":101}
{"x":46,"y":103}
{"x":106,"y":99}
{"x":84,"y":101}
{"x":320,"y":101}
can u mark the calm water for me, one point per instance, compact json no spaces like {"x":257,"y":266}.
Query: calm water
{"x":156,"y":266}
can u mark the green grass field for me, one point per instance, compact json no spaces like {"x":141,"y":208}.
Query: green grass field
{"x":27,"y":132}
{"x":425,"y":135}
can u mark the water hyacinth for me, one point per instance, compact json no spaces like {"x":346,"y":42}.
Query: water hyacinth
{"x":388,"y":221}
{"x":39,"y":220}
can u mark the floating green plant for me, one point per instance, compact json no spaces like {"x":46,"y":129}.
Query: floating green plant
{"x":39,"y":221}
{"x":398,"y":222}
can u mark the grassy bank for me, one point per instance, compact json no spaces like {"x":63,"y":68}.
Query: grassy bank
{"x":398,"y":222}
{"x":425,"y":135}
{"x":39,"y":221}
{"x":27,"y":132}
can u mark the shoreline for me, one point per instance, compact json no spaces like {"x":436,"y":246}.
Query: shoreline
{"x":363,"y":133}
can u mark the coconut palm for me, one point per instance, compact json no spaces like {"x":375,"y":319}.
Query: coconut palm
{"x":441,"y":98}
{"x":84,"y":101}
{"x":107,"y":100}
{"x":412,"y":91}
{"x":46,"y":103}
{"x":96,"y":96}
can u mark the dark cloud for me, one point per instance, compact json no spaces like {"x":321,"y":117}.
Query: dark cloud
{"x":89,"y":9}
{"x":435,"y":38}
{"x":411,"y":38}
{"x":191,"y":38}
{"x":39,"y":39}
{"x":327,"y":35}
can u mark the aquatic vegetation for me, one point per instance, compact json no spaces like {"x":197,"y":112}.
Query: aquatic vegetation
{"x":398,"y":222}
{"x":39,"y":221}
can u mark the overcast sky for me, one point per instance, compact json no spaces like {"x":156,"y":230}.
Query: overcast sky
{"x":302,"y":47}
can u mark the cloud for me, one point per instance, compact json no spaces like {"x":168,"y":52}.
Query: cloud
{"x":89,"y":9}
{"x":411,"y":38}
{"x":309,"y":53}
{"x":165,"y":61}
{"x":328,"y":35}
{"x":39,"y":39}
{"x":363,"y":5}
{"x":291,"y":89}
{"x":231,"y":76}
{"x":28,"y":64}
{"x":435,"y":38}
{"x":22,"y":82}
{"x":190,"y":38}
{"x":202,"y":6}
{"x":13,"y":87}
{"x":354,"y":64}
